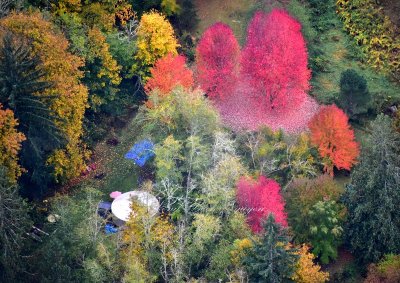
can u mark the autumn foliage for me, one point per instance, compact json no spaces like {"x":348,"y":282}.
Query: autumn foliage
{"x":260,"y":198}
{"x":271,"y":88}
{"x":334,"y":138}
{"x":169,"y":72}
{"x":10,"y":143}
{"x":155,"y":39}
{"x":306,"y":270}
{"x":217,"y":58}
{"x":275,"y":60}
{"x":63,"y":70}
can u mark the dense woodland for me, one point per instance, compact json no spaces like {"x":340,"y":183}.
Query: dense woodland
{"x":276,"y":133}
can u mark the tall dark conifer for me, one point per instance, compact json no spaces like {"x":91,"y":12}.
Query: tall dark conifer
{"x":272,"y":259}
{"x":373,"y":196}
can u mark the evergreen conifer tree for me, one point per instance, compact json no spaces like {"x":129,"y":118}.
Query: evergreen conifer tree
{"x":373,"y":196}
{"x":272,"y":259}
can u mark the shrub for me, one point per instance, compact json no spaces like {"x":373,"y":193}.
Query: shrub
{"x":354,"y":97}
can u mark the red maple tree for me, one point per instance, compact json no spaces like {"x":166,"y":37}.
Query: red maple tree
{"x":334,"y":138}
{"x":169,"y":72}
{"x":260,"y":198}
{"x":274,"y":59}
{"x":217,"y":60}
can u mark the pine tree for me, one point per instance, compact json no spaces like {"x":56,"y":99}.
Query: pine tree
{"x":272,"y":259}
{"x":21,"y":79}
{"x":373,"y":196}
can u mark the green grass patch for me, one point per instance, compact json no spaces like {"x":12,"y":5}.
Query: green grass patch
{"x":120,"y":174}
{"x":332,"y":51}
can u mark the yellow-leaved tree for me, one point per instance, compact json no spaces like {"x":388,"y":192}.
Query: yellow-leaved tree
{"x":306,"y":270}
{"x":102,"y":82}
{"x":155,"y":39}
{"x":10,"y":143}
{"x":62,"y":70}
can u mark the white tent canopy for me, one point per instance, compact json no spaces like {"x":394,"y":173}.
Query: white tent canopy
{"x":121,"y":206}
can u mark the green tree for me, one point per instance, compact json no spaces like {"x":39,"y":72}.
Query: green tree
{"x":272,"y":259}
{"x":354,"y":96}
{"x":373,"y":196}
{"x":302,"y":195}
{"x":77,"y":250}
{"x":325,"y":230}
{"x":14,"y":224}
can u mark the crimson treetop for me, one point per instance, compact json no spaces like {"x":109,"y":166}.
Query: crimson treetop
{"x":275,"y":60}
{"x":217,"y":58}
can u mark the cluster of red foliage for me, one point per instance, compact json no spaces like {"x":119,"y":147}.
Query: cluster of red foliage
{"x":167,"y":73}
{"x":217,"y":56}
{"x":260,"y":198}
{"x":271,"y":89}
{"x":334,"y":138}
{"x":275,"y":60}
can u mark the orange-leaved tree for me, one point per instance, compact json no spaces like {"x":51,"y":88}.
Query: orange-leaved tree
{"x":62,"y":70}
{"x":169,"y":72}
{"x":334,"y":138}
{"x":10,"y":143}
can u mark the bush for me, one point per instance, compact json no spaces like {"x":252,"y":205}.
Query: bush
{"x":354,"y":97}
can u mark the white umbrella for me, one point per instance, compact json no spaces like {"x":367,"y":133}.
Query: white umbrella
{"x":121,"y":206}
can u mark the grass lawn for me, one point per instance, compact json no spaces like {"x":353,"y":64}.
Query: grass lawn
{"x":120,"y":174}
{"x":339,"y":53}
{"x":232,"y":12}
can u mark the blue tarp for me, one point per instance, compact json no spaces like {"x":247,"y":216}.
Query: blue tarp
{"x":141,"y":152}
{"x":110,"y":229}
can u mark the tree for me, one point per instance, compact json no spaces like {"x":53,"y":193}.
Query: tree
{"x":187,"y":19}
{"x":325,"y":230}
{"x":155,"y":39}
{"x":373,"y":196}
{"x":76,"y":246}
{"x":10,"y":144}
{"x":169,"y":72}
{"x":14,"y":225}
{"x":334,"y":138}
{"x":354,"y":95}
{"x":301,"y":195}
{"x":306,"y":270}
{"x":259,"y":199}
{"x":62,"y":71}
{"x":170,"y":7}
{"x":272,"y":259}
{"x":36,"y":120}
{"x":274,"y":59}
{"x":101,"y":71}
{"x":217,"y":59}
